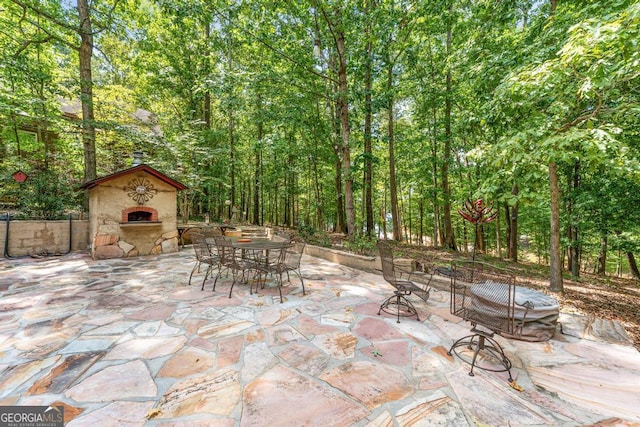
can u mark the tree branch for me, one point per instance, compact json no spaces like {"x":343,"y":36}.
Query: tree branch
{"x":46,"y":15}
{"x":278,"y":52}
{"x":50,"y":35}
{"x":27,"y":43}
{"x":103,"y":26}
{"x":582,"y":117}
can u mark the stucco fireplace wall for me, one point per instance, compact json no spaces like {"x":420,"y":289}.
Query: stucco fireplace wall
{"x":144,"y":193}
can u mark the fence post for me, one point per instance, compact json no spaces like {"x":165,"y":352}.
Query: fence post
{"x":6,"y":237}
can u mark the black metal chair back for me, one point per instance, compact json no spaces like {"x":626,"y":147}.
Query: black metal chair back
{"x":292,"y":257}
{"x":288,"y":260}
{"x":200,"y":246}
{"x":388,"y":268}
{"x":398,"y":303}
{"x":203,"y":256}
{"x":483,"y":295}
{"x":232,"y":260}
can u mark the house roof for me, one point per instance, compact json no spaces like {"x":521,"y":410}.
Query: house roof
{"x":144,"y":168}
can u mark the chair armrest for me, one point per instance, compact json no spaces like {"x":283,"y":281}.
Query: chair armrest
{"x":403,"y":273}
{"x":404,"y":267}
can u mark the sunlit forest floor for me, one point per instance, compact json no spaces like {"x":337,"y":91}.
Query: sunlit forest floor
{"x":608,"y":298}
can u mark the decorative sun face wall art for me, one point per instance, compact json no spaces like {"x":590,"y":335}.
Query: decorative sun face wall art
{"x":141,"y":190}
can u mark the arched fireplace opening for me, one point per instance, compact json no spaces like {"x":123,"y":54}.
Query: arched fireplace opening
{"x":136,"y":216}
{"x":139,"y":215}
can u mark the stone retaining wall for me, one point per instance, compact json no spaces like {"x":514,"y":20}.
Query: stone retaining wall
{"x":360,"y":262}
{"x":36,"y":238}
{"x":369,"y":264}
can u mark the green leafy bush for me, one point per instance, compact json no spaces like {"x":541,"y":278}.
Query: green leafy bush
{"x":45,"y":195}
{"x":313,"y":236}
{"x":362,"y":245}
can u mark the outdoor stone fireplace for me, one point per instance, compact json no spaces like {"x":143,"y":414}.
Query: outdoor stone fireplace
{"x":133,"y":212}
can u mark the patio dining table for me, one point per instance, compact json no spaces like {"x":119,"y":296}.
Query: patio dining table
{"x":257,"y":244}
{"x":535,"y":312}
{"x":253,"y":244}
{"x":257,"y":249}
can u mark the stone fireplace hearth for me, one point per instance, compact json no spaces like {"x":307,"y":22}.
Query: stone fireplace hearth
{"x":133,"y":212}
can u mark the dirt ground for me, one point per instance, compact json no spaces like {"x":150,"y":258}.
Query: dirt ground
{"x":604,"y":297}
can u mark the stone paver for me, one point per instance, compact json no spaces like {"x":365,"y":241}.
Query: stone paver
{"x":128,"y":343}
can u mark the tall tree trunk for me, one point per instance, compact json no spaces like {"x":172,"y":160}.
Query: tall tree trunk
{"x":513,"y":228}
{"x":421,"y":219}
{"x":633,"y":266}
{"x":480,"y":240}
{"x":449,"y":238}
{"x":258,"y":166}
{"x":334,"y":108}
{"x":316,"y":178}
{"x":231,"y":124}
{"x":290,"y":188}
{"x":498,"y":238}
{"x":574,"y":247}
{"x":393,"y":190}
{"x":207,"y":93}
{"x":86,"y":95}
{"x":232,"y":156}
{"x":408,"y":212}
{"x":343,"y":99}
{"x":602,"y":256}
{"x":339,"y":226}
{"x":368,"y":112}
{"x":555,"y":257}
{"x":438,"y":234}
{"x":507,"y":217}
{"x":384,"y":214}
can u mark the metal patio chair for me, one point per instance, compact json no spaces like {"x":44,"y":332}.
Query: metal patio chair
{"x":203,"y":256}
{"x":399,"y":304}
{"x":288,"y":260}
{"x":483,"y":295}
{"x":232,"y":261}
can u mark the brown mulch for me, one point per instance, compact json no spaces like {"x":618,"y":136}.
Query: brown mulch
{"x":611,"y":298}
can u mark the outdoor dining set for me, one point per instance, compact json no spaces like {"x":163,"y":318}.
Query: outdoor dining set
{"x":250,"y":258}
{"x":482,"y":294}
{"x":485,"y":295}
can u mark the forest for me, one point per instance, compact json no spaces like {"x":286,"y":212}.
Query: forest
{"x":399,"y":119}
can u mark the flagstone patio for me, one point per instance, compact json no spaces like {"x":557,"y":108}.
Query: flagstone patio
{"x":126,"y":342}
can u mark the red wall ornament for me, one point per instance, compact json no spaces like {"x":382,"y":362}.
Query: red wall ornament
{"x":20,"y":176}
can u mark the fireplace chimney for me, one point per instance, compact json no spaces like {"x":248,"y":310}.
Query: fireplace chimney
{"x":137,"y":158}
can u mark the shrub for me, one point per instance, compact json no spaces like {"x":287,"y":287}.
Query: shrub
{"x":362,"y":245}
{"x":45,"y":195}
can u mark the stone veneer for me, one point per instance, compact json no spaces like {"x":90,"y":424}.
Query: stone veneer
{"x":107,"y":246}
